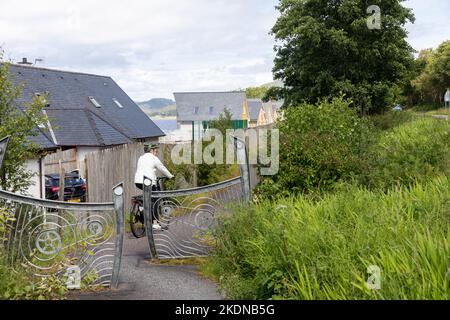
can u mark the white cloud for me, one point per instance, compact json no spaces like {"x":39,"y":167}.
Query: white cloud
{"x":431,"y":27}
{"x":153,"y":48}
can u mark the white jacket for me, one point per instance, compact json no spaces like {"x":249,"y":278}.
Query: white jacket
{"x":149,"y":165}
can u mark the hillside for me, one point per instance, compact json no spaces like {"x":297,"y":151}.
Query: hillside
{"x":159,"y":107}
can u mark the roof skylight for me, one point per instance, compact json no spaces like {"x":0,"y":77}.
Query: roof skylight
{"x":118,"y":103}
{"x":95,"y":102}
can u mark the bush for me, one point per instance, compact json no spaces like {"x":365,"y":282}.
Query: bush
{"x":415,"y":151}
{"x":391,"y":119}
{"x":299,"y":249}
{"x":17,"y":283}
{"x":320,"y":145}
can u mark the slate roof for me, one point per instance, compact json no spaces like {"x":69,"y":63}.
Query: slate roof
{"x":187,"y":102}
{"x":254,"y":107}
{"x":43,"y":139}
{"x":74,"y":119}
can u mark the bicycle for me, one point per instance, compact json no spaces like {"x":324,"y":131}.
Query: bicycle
{"x":137,"y":222}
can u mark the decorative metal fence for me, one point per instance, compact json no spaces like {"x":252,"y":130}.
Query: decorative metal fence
{"x":3,"y":146}
{"x":81,"y":243}
{"x":188,"y":217}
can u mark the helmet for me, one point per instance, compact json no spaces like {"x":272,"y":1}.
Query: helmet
{"x":150,"y":146}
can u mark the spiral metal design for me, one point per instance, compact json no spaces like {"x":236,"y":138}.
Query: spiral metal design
{"x":48,"y":241}
{"x":187,"y":222}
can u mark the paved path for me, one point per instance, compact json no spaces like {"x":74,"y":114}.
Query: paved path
{"x":441,"y":116}
{"x":140,"y":280}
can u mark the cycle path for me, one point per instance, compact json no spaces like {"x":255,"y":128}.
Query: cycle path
{"x":141,"y":280}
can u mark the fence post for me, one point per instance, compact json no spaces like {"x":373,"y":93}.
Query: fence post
{"x":148,"y":217}
{"x":242,"y":160}
{"x":118,"y":196}
{"x":3,"y":146}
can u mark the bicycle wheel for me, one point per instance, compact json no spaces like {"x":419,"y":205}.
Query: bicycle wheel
{"x":137,"y":220}
{"x":163,"y":211}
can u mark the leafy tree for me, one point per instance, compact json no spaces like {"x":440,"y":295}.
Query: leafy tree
{"x":223,"y":123}
{"x":435,"y":78}
{"x":256,"y":92}
{"x":326,"y":48}
{"x":412,"y":96}
{"x":213,"y":173}
{"x":20,"y":123}
{"x":320,"y":144}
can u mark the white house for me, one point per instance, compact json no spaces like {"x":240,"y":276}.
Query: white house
{"x":196,"y":109}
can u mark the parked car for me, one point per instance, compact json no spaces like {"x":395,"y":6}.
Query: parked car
{"x":398,"y":108}
{"x":74,"y":187}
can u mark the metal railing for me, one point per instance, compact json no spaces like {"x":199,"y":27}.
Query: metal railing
{"x":179,"y":224}
{"x":75,"y":241}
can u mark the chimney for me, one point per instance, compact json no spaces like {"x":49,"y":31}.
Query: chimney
{"x":25,"y":62}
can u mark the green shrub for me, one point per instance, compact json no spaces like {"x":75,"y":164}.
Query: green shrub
{"x":415,"y":151}
{"x":17,"y":283}
{"x":425,"y":107}
{"x":296,"y":248}
{"x":319,"y":145}
{"x":391,"y":119}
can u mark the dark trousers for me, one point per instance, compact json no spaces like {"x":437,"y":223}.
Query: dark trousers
{"x":140,"y":186}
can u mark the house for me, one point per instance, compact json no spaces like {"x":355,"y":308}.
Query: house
{"x":86,"y":112}
{"x":255,"y":107}
{"x":270,"y":113}
{"x":196,"y":109}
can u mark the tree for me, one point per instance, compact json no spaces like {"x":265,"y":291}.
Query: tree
{"x":412,"y":96}
{"x":213,"y":173}
{"x":435,"y":77}
{"x":321,"y":144}
{"x":20,"y":124}
{"x":256,"y":92}
{"x":327,"y":49}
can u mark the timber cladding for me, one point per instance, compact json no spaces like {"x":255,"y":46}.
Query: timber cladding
{"x":106,"y":168}
{"x":54,"y":162}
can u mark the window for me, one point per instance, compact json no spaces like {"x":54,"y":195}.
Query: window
{"x":211,"y":110}
{"x":118,"y":103}
{"x":95,"y":102}
{"x":196,"y":110}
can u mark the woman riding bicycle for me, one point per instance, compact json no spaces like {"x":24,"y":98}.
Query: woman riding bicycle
{"x":148,"y":166}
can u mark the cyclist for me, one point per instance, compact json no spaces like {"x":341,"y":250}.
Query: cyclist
{"x":149,"y":166}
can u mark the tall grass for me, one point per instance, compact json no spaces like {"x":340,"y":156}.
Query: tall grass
{"x":297,"y":248}
{"x":414,"y":151}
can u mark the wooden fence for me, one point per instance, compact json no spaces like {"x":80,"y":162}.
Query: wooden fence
{"x":106,"y":168}
{"x":66,"y":160}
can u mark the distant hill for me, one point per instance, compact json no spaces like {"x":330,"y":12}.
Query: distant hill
{"x":276,"y":83}
{"x":156,"y":103}
{"x":159,"y":107}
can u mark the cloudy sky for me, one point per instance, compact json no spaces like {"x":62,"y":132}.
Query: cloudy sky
{"x":153,"y":48}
